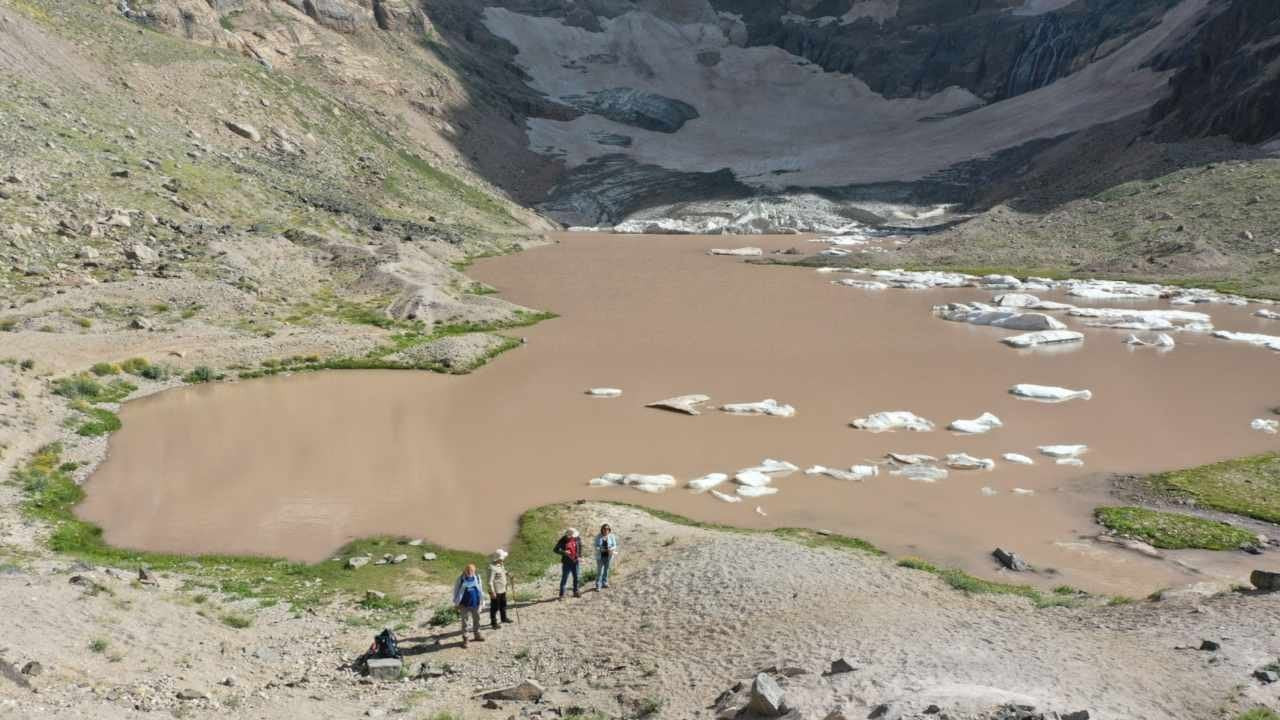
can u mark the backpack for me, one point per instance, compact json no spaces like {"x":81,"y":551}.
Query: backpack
{"x":385,"y":645}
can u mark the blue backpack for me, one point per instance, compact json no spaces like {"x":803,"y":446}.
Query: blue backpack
{"x":471,"y":597}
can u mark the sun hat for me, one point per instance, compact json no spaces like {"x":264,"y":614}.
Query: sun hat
{"x":500,"y":554}
{"x":571,"y":533}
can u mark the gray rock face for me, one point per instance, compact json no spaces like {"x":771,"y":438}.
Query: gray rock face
{"x":140,"y":253}
{"x":637,"y":108}
{"x":1010,"y":560}
{"x":842,"y":665}
{"x":244,"y":130}
{"x":606,"y":189}
{"x":386,"y":669}
{"x":767,"y":698}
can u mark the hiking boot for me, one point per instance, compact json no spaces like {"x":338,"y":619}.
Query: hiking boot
{"x":477,"y":638}
{"x":506,"y":621}
{"x":464,"y":642}
{"x":576,"y":594}
{"x":493,"y":626}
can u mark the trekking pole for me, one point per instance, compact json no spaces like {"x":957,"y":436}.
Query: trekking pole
{"x":515,"y":604}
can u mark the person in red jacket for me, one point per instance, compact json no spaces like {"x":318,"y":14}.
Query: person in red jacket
{"x":569,"y":548}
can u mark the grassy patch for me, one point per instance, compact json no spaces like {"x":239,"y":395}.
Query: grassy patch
{"x":103,"y":369}
{"x":444,"y":615}
{"x":88,"y":388}
{"x":98,"y":645}
{"x":200,"y":374}
{"x":100,"y":422}
{"x":1173,"y":531}
{"x":965,"y":582}
{"x":1245,"y":486}
{"x":239,"y":622}
{"x":1258,"y":713}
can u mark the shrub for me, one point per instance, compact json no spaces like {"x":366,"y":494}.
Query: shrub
{"x":135,"y":366}
{"x":101,"y":369}
{"x":98,"y":645}
{"x":445,"y":615}
{"x":239,"y":622}
{"x":199,"y":374}
{"x":101,"y":422}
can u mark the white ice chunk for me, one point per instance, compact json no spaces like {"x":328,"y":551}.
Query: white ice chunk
{"x":1023,"y":491}
{"x":604,"y":392}
{"x":1018,"y":459}
{"x":1048,"y":337}
{"x":1074,"y":461}
{"x":1131,"y":319}
{"x":686,"y":404}
{"x":604,"y":481}
{"x":965,"y":461}
{"x":1268,"y":314}
{"x":855,"y":473}
{"x":739,"y":252}
{"x":981,"y":424}
{"x":893,"y":420}
{"x":1111,"y":290}
{"x":1051,"y":305}
{"x":980,"y":314}
{"x":911,"y":459}
{"x":706,"y":482}
{"x":1162,"y":340}
{"x":760,"y":511}
{"x":1267,"y":341}
{"x":860,"y":284}
{"x":921,"y":280}
{"x":756,"y":490}
{"x":769,"y":465}
{"x":1048,"y":393}
{"x":725,"y":497}
{"x":1265,"y":425}
{"x":922,"y":473}
{"x":768,"y":406}
{"x":1062,"y":451}
{"x":835,"y":252}
{"x":752,"y":478}
{"x":989,"y":491}
{"x":650,"y":488}
{"x":1015,"y":300}
{"x":642,"y":479}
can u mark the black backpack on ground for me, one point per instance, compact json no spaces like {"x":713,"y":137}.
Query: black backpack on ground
{"x":385,"y":645}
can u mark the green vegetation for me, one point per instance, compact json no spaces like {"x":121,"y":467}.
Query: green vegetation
{"x":98,"y":645}
{"x":1259,"y":713}
{"x":1245,"y":486}
{"x":1173,"y":531}
{"x":100,"y":422}
{"x":444,"y":615}
{"x":200,"y":374}
{"x":965,"y":582}
{"x":87,"y":388}
{"x":238,"y":622}
{"x":102,"y":369}
{"x":648,"y":706}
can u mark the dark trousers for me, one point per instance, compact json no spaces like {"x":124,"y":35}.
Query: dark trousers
{"x":567,"y":568}
{"x":498,"y":608}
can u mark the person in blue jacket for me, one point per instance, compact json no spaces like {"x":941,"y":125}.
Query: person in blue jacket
{"x":606,"y":551}
{"x":468,"y":596}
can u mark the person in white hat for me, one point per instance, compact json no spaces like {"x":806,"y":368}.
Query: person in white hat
{"x":498,"y":588}
{"x":569,"y":548}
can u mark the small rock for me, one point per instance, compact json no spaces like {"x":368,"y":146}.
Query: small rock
{"x":244,"y":130}
{"x":88,"y":253}
{"x":141,"y":253}
{"x":842,"y":665}
{"x":428,"y":556}
{"x":121,"y":173}
{"x":1246,"y":235}
{"x":13,"y":179}
{"x":491,"y":705}
{"x":1210,"y":646}
{"x":527,"y":691}
{"x":192,"y":694}
{"x":399,"y":559}
{"x":146,"y":578}
{"x":932,"y":710}
{"x":884,"y":711}
{"x":374,"y":595}
{"x":384,"y":668}
{"x":1010,"y":560}
{"x":140,"y":323}
{"x":1077,"y":715}
{"x":228,"y":681}
{"x":1265,"y":581}
{"x":1266,"y":676}
{"x":357,"y":562}
{"x":415,"y":543}
{"x":767,"y":698}
{"x":33,"y":669}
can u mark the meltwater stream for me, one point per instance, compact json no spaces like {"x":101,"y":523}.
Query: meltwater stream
{"x":296,"y":466}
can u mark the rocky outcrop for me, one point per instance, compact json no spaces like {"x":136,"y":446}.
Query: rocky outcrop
{"x":645,"y":110}
{"x":1229,"y":83}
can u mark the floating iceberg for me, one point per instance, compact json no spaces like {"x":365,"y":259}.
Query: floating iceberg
{"x":760,"y":511}
{"x":893,"y":420}
{"x":1016,"y":300}
{"x":604,"y":392}
{"x":738,"y":252}
{"x":769,"y":465}
{"x":981,"y":424}
{"x":980,"y":314}
{"x":1023,"y":491}
{"x":756,"y":490}
{"x":706,"y":482}
{"x":1048,"y":337}
{"x":855,"y":473}
{"x":1266,"y":341}
{"x":642,"y":482}
{"x":686,"y":404}
{"x":725,"y":497}
{"x":1051,"y":305}
{"x":1048,"y":393}
{"x":1267,"y":426}
{"x":752,"y":478}
{"x":768,"y":406}
{"x":860,"y":284}
{"x":1111,"y":290}
{"x":911,"y":280}
{"x":1018,"y":459}
{"x":1268,"y":314}
{"x":965,"y":461}
{"x":989,"y":491}
{"x":911,"y":459}
{"x":1130,"y":319}
{"x":1074,"y":461}
{"x":1162,"y":340}
{"x":1062,"y":451}
{"x":922,"y":473}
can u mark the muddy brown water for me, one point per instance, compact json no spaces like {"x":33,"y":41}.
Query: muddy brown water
{"x":297,"y":466}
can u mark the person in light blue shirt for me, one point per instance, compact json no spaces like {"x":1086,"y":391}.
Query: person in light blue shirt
{"x":468,"y":596}
{"x":606,"y":551}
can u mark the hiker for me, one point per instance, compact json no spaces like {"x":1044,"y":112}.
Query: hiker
{"x":606,"y":551}
{"x":569,"y":548}
{"x":467,"y":596}
{"x":498,"y":588}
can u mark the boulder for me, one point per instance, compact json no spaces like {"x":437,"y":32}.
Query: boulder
{"x":842,"y":665}
{"x":428,"y":556}
{"x":767,"y":698}
{"x":527,"y":691}
{"x":399,"y":559}
{"x":1266,"y":677}
{"x":387,"y":669}
{"x":1010,"y":560}
{"x":140,"y":323}
{"x":1265,"y":581}
{"x":374,"y":595}
{"x":140,"y":253}
{"x":1210,"y":646}
{"x":357,"y":562}
{"x":146,"y":577}
{"x":33,"y":669}
{"x":1077,"y":715}
{"x":884,"y":711}
{"x":244,"y":130}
